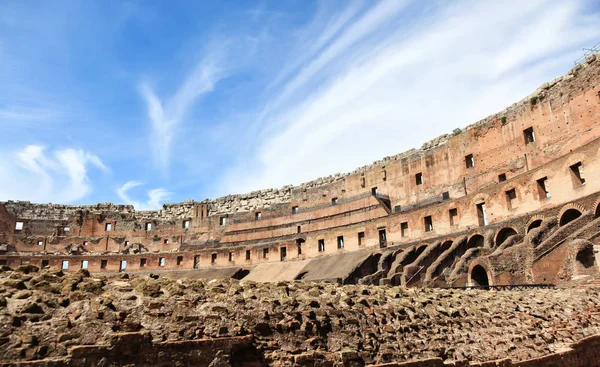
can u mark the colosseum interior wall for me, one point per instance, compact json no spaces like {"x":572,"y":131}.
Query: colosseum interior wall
{"x":513,"y":197}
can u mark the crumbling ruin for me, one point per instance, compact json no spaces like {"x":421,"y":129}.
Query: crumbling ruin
{"x":512,"y":199}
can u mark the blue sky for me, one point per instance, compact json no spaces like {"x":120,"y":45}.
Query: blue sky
{"x":146,"y":102}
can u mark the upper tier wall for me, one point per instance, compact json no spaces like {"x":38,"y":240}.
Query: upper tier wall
{"x":581,"y":78}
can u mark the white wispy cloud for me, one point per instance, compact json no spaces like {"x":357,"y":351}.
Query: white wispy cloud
{"x":35,"y":174}
{"x":381,"y":86}
{"x":166,"y":117}
{"x":363,"y":27}
{"x":156,"y":197}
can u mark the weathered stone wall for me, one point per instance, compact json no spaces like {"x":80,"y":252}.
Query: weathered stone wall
{"x":378,"y":206}
{"x":116,"y":320}
{"x":551,"y":96}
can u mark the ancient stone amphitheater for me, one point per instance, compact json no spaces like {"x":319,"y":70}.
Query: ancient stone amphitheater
{"x":373,"y":267}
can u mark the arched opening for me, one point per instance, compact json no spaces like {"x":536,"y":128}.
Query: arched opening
{"x":585,"y":257}
{"x":241,"y":274}
{"x":368,"y":267}
{"x":446,"y":245}
{"x":301,"y":275}
{"x":413,"y":255}
{"x":479,"y":276}
{"x":569,"y":216}
{"x":597,"y":212}
{"x":503,"y":234}
{"x":396,"y":279}
{"x":373,"y":264}
{"x":475,"y":241}
{"x":420,"y":250}
{"x":534,"y":224}
{"x":387,"y":262}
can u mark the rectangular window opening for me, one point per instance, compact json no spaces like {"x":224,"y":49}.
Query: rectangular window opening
{"x":213,"y":258}
{"x":143,"y":262}
{"x":248,"y":254}
{"x":103,"y":264}
{"x":85,"y":243}
{"x":321,"y":245}
{"x":445,"y":195}
{"x":576,"y":175}
{"x":179,"y":260}
{"x":84,"y":264}
{"x":123,"y":266}
{"x":258,"y":215}
{"x":283,"y":253}
{"x":361,"y":238}
{"x":403,"y":229}
{"x":294,"y":210}
{"x":511,"y":196}
{"x":108,"y":227}
{"x":231,"y":256}
{"x":428,"y":223}
{"x":529,"y":135}
{"x":41,"y":243}
{"x":148,"y":227}
{"x":222,"y":221}
{"x":265,"y":253}
{"x":542,"y":189}
{"x":340,"y":242}
{"x":502,"y":177}
{"x":334,"y":201}
{"x":299,"y":242}
{"x":373,"y":190}
{"x":453,"y":213}
{"x":196,"y":261}
{"x":469,"y":161}
{"x":397,"y":208}
{"x":382,"y":237}
{"x":419,"y":178}
{"x":186,"y":224}
{"x":65,"y":265}
{"x":166,"y":241}
{"x":45,"y":263}
{"x":162,"y":261}
{"x":18,"y":226}
{"x":299,"y":229}
{"x":481,"y":215}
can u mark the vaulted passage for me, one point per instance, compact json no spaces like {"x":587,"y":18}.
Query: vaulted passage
{"x":585,"y":257}
{"x":534,"y":224}
{"x":410,"y":258}
{"x":241,"y":274}
{"x":475,"y":241}
{"x":479,"y":276}
{"x":569,"y":216}
{"x":503,"y":234}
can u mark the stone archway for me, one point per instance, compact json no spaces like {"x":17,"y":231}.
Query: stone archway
{"x":585,"y":260}
{"x":503,"y":234}
{"x":597,"y":209}
{"x":476,"y":240}
{"x":479,"y":276}
{"x":241,"y":274}
{"x":535,"y":224}
{"x":568,"y":216}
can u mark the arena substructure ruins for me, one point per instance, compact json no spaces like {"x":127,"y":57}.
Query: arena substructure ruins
{"x":512,"y":199}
